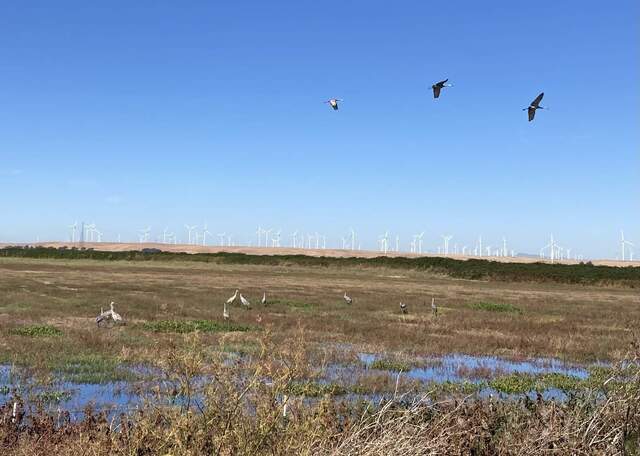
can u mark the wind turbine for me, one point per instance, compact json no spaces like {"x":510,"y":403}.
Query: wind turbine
{"x":204,"y":234}
{"x":259,"y":232}
{"x":623,"y":244}
{"x":294,"y":238}
{"x":420,"y":242}
{"x":74,"y":229}
{"x":221,"y":236}
{"x":353,"y":239}
{"x":144,"y":234}
{"x":553,"y":249}
{"x":190,"y":229}
{"x":384,"y":242}
{"x":446,"y":240}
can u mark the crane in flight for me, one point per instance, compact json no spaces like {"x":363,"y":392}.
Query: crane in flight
{"x":333,"y":102}
{"x":438,"y":86}
{"x":535,"y":104}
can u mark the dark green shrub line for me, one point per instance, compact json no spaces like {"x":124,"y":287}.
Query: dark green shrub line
{"x":584,"y":273}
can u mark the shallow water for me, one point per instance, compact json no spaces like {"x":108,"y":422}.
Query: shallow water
{"x":117,"y":397}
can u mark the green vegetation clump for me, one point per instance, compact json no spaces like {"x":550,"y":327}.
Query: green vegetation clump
{"x":187,"y":326}
{"x":474,"y":269}
{"x":54,"y":397}
{"x":520,"y":383}
{"x":4,"y":390}
{"x":390,"y":365}
{"x":495,"y":307}
{"x":93,"y":369}
{"x":37,"y":331}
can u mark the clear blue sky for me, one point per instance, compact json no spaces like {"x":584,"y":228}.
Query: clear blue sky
{"x":166,"y":113}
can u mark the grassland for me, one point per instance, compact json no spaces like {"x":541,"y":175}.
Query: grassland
{"x":173,"y":313}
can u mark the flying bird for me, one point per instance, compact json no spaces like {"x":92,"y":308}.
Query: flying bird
{"x":348,"y":299}
{"x":438,"y":86}
{"x":232,"y":298}
{"x":264,"y":299}
{"x":403,"y":307}
{"x":245,"y":302}
{"x":333,"y":103}
{"x":535,"y":104}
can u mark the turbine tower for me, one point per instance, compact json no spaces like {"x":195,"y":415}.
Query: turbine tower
{"x":446,"y":240}
{"x":623,"y":244}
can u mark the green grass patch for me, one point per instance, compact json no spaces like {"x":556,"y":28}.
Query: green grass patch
{"x":523,"y":383}
{"x":187,"y":326}
{"x":92,"y":369}
{"x":54,"y":397}
{"x":4,"y":390}
{"x":390,"y":365}
{"x":37,"y":331}
{"x":495,"y":307}
{"x":315,"y":389}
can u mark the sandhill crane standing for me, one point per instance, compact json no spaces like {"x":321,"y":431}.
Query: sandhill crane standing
{"x":347,"y":298}
{"x":434,"y":308}
{"x":225,"y":312}
{"x":438,"y":86}
{"x":535,"y":104}
{"x":245,"y":302}
{"x":233,"y":298}
{"x":264,"y":299}
{"x":333,"y":103}
{"x":103,"y":316}
{"x":403,"y":308}
{"x":115,"y":315}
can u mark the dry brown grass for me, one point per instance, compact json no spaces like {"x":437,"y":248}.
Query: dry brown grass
{"x":564,"y":321}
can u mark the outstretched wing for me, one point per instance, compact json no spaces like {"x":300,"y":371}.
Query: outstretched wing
{"x":538,"y":99}
{"x":532,"y":113}
{"x":436,"y":90}
{"x":442,"y":83}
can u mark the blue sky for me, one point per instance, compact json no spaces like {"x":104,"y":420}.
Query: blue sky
{"x":163,"y":114}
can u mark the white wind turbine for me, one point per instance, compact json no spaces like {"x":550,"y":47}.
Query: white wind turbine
{"x":553,"y":249}
{"x":259,"y":232}
{"x":294,"y":238}
{"x":384,"y":242}
{"x":420,"y":242}
{"x":74,"y":229}
{"x":353,"y":239}
{"x":623,"y":244}
{"x":446,"y":239}
{"x":165,"y":232}
{"x":204,"y":234}
{"x":144,"y":234}
{"x":190,"y":230}
{"x":221,"y":236}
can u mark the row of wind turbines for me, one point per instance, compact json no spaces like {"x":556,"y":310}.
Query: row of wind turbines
{"x":386,"y":243}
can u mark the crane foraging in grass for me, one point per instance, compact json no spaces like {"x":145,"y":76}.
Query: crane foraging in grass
{"x":438,"y":86}
{"x":403,"y":308}
{"x":233,"y":298}
{"x":264,"y":299}
{"x":225,"y":312}
{"x":347,"y":298}
{"x":245,"y":302}
{"x":434,"y":308}
{"x":535,"y":104}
